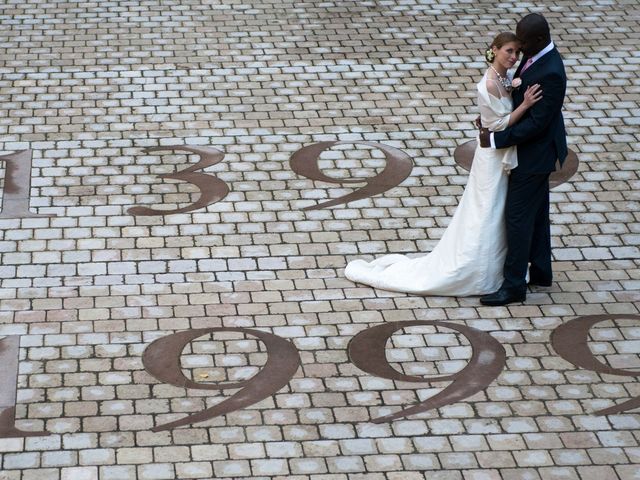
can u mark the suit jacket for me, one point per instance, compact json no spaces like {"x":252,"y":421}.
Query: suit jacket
{"x":540,"y":133}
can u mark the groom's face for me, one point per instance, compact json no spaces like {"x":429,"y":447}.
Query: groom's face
{"x":530,"y":41}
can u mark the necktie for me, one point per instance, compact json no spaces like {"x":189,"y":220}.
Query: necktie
{"x":527,"y":64}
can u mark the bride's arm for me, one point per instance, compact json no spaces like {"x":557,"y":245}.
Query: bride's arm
{"x":532,"y":95}
{"x":493,"y":114}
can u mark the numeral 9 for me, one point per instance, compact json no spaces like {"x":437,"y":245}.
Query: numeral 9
{"x":463,"y":156}
{"x":162,"y":360}
{"x":398,"y":167}
{"x":570,"y":342}
{"x":367,"y":352}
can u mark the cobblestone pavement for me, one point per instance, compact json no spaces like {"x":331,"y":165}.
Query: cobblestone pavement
{"x":86,"y":285}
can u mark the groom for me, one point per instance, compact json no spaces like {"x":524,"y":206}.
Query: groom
{"x":541,"y":139}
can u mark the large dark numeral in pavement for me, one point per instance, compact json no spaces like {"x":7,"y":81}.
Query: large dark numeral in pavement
{"x":399,"y":165}
{"x":16,"y":194}
{"x":9,"y":353}
{"x":212,"y":189}
{"x":367,"y":352}
{"x":570,"y":342}
{"x":162,"y":360}
{"x":464,"y":153}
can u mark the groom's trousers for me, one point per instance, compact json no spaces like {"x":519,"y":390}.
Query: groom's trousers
{"x":528,"y":230}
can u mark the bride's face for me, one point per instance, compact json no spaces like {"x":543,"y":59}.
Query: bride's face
{"x":507,"y":55}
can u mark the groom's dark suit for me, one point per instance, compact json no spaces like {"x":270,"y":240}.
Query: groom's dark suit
{"x":541,"y":140}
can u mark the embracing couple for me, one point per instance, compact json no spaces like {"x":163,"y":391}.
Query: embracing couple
{"x":499,"y":237}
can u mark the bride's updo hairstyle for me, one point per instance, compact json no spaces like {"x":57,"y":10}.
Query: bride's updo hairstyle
{"x":498,"y":42}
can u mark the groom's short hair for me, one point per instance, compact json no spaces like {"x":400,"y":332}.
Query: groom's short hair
{"x":535,"y":24}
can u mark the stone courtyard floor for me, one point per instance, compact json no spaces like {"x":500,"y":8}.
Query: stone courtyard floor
{"x":199,"y":325}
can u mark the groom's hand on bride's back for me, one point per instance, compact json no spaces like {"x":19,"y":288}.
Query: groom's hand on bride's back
{"x":484,"y":133}
{"x":485,"y":140}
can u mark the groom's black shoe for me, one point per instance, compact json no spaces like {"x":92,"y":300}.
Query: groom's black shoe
{"x":540,"y":283}
{"x":503,"y":297}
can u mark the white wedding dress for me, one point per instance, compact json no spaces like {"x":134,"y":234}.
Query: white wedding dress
{"x":469,"y":257}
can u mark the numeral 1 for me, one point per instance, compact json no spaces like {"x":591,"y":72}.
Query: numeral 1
{"x":17,"y":186}
{"x":9,"y":352}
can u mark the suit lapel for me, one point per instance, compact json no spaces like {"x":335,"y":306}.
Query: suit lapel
{"x":538,"y":63}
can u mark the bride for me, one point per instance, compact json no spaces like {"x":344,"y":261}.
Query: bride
{"x":469,"y":258}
